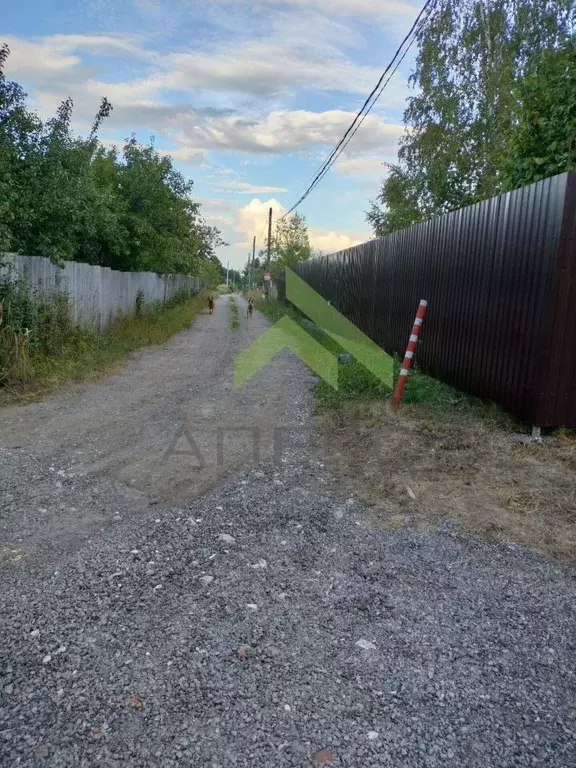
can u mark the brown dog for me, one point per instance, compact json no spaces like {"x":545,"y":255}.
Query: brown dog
{"x":210,"y":304}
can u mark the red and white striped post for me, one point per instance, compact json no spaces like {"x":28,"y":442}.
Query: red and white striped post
{"x":409,"y":355}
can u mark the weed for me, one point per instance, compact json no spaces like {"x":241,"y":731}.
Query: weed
{"x":33,"y":363}
{"x":234,"y":321}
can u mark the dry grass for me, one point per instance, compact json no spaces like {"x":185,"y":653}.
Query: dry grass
{"x":424,"y":464}
{"x":87,"y":355}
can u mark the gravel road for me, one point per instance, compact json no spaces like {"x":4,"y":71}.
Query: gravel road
{"x":162,"y":609}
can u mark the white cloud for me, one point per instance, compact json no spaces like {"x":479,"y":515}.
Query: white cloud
{"x":264,"y":68}
{"x":386,"y":9}
{"x":330,"y":241}
{"x":360,"y":166}
{"x":240,"y":224}
{"x":290,"y":131}
{"x":251,"y":219}
{"x":245,"y":188}
{"x":185,"y":156}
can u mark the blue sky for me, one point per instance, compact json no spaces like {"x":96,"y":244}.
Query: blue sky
{"x":248,"y":97}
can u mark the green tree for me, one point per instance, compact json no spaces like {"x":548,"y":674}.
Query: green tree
{"x":19,"y":130}
{"x":542,"y":141}
{"x":67,"y":197}
{"x":471,"y":55}
{"x":290,"y":243}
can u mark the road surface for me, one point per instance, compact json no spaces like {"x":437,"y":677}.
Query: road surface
{"x":173,"y":609}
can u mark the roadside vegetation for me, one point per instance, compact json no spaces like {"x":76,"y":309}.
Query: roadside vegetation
{"x":444,"y":456}
{"x":67,"y":197}
{"x":493,"y":108}
{"x":41,"y":348}
{"x":234,"y":319}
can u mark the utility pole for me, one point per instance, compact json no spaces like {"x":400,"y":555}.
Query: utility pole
{"x":269,"y":238}
{"x":267,"y":282}
{"x":252,"y":264}
{"x":227,"y":270}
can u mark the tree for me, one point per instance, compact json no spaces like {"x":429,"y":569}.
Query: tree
{"x":19,"y":130}
{"x":471,"y":55}
{"x":290,"y":243}
{"x":67,"y":197}
{"x":542,"y":142}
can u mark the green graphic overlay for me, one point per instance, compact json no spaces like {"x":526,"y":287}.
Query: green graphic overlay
{"x":288,"y":334}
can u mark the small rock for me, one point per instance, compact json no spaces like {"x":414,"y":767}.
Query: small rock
{"x":366,"y":645}
{"x":47,"y":659}
{"x":226,"y":538}
{"x":134,"y":702}
{"x":206,"y":580}
{"x":252,"y":606}
{"x":260,"y":564}
{"x":41,"y":752}
{"x":323,"y":756}
{"x":241,"y":654}
{"x":35,"y":633}
{"x":9,"y":689}
{"x":372,"y":735}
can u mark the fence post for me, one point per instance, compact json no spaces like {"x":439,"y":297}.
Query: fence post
{"x":409,"y":354}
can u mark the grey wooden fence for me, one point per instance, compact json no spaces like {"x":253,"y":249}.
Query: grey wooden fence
{"x":99,"y":294}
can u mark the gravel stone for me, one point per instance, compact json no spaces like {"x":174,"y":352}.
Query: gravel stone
{"x":350,"y":621}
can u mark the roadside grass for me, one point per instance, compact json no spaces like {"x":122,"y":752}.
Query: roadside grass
{"x":234,"y":319}
{"x":356,"y":383}
{"x":423,"y":465}
{"x":86,"y":354}
{"x":444,"y":456}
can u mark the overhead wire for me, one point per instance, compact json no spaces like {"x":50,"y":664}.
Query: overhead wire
{"x":367,"y":106}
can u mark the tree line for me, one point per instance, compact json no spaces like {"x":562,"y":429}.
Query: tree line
{"x":494,"y":108}
{"x":67,"y":197}
{"x":290,"y":244}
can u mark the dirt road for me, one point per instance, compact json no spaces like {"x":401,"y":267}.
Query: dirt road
{"x":167,"y":609}
{"x":151,"y":433}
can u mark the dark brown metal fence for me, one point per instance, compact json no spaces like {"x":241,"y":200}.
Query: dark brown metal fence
{"x":500,"y":280}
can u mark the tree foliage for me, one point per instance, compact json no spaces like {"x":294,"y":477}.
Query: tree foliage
{"x":290,"y":245}
{"x":542,"y":142}
{"x":475,"y":74}
{"x":67,"y":197}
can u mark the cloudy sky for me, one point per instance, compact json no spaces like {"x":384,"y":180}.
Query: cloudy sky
{"x":248,"y":97}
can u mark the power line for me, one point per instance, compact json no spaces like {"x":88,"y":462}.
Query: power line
{"x":365,"y":115}
{"x":360,"y":117}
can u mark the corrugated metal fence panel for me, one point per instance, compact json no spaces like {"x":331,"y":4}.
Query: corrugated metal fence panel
{"x":499,"y":276}
{"x":558,"y":406}
{"x":100,"y":294}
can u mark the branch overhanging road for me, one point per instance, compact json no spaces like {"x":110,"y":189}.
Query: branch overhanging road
{"x":164,"y":611}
